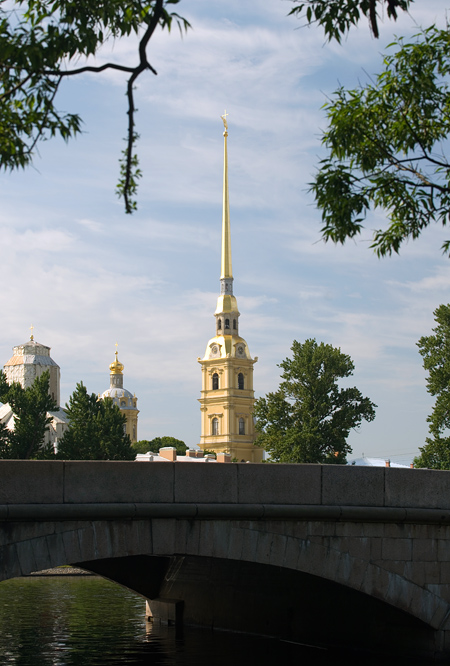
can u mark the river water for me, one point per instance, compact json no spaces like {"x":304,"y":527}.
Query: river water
{"x":88,"y":621}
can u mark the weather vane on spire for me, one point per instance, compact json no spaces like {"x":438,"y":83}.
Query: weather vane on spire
{"x":224,"y":118}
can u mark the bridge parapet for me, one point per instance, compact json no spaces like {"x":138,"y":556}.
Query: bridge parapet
{"x":79,"y":482}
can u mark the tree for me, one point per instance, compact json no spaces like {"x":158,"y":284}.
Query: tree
{"x":4,"y":441}
{"x":96,"y":429}
{"x":40,"y":40}
{"x":142,"y":446}
{"x":159,"y":442}
{"x":30,"y":407}
{"x":386,"y":150}
{"x":337,"y":16}
{"x":4,"y":387}
{"x":309,"y":418}
{"x":435,"y":351}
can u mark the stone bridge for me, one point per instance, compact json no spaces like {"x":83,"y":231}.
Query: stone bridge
{"x":320,"y":554}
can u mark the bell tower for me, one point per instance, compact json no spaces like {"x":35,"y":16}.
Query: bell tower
{"x":227,"y":395}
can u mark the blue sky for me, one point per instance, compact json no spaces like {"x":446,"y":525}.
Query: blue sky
{"x":88,"y":276}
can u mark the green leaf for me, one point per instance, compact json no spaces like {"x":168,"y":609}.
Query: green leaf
{"x":385,"y":148}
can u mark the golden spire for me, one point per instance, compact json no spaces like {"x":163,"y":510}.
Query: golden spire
{"x":226,"y":313}
{"x":226,"y":270}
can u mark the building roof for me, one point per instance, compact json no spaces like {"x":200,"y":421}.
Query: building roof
{"x":31,"y":352}
{"x":150,"y":456}
{"x":117,"y":393}
{"x":223,"y":346}
{"x":28,"y":359}
{"x":59,"y":415}
{"x":378,"y":462}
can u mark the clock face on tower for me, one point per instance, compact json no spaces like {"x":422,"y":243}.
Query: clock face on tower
{"x":240,"y":350}
{"x":214,"y":350}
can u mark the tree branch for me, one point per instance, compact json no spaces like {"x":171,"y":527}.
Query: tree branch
{"x":14,"y":89}
{"x":90,"y":68}
{"x":36,"y":60}
{"x":143,"y":65}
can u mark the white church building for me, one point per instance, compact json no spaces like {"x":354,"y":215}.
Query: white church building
{"x":29,"y":361}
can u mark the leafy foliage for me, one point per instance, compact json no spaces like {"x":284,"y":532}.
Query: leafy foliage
{"x":435,"y":351}
{"x":96,"y":431}
{"x":159,"y":442}
{"x":30,"y":407}
{"x":336,"y":17}
{"x":39,"y":42}
{"x":142,"y":446}
{"x":309,"y":418}
{"x":386,"y":148}
{"x":4,"y":441}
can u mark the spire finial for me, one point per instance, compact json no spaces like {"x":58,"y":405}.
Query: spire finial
{"x":31,"y":336}
{"x":225,"y":124}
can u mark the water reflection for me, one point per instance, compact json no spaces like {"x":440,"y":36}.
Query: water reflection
{"x":87,"y":621}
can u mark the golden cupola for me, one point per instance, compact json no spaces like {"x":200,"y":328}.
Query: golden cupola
{"x":116,"y":367}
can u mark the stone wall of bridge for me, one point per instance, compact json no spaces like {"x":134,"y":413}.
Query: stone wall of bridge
{"x":71,"y":482}
{"x":272,"y":549}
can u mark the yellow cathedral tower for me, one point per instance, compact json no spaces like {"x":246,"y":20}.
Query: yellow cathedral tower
{"x":227,"y":367}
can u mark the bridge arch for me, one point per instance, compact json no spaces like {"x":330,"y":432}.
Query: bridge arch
{"x":139,"y":553}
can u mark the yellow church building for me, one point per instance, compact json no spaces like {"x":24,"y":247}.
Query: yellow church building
{"x":227,"y":396}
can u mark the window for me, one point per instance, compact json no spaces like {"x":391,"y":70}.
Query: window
{"x":219,"y":325}
{"x":241,"y":426}
{"x":215,"y":426}
{"x":234,"y":324}
{"x":227,"y":323}
{"x":215,"y":381}
{"x":240,"y":381}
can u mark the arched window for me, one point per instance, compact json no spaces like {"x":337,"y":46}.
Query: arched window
{"x":234,"y":324}
{"x":215,"y":382}
{"x":240,"y":381}
{"x":227,"y":323}
{"x":219,"y":324}
{"x":241,"y":426}
{"x":215,"y":426}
